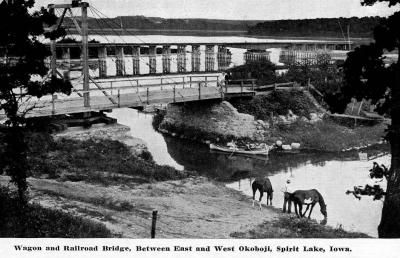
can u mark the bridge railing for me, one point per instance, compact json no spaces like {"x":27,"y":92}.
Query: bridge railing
{"x":155,"y":83}
{"x":251,"y":83}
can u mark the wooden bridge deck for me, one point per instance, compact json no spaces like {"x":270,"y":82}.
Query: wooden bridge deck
{"x":71,"y":105}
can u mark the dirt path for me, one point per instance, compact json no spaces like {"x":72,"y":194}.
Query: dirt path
{"x":190,"y":208}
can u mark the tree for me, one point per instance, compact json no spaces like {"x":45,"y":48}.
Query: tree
{"x":262,"y":70}
{"x":368,"y":76}
{"x":23,"y":57}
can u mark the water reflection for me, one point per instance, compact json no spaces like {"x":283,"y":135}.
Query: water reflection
{"x":226,"y":167}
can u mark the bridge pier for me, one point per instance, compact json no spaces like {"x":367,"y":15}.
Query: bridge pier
{"x":119,"y":61}
{"x":255,"y":55}
{"x":181,"y":58}
{"x":152,"y":60}
{"x":135,"y":60}
{"x":166,"y":59}
{"x":195,"y":58}
{"x":210,"y":58}
{"x":102,"y":53}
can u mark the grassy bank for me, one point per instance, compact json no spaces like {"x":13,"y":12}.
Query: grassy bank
{"x":326,"y":135}
{"x":290,"y":227}
{"x":94,"y":160}
{"x":36,"y":221}
{"x":276,"y":103}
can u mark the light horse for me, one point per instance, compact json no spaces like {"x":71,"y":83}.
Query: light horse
{"x":306,"y":197}
{"x":263,"y":185}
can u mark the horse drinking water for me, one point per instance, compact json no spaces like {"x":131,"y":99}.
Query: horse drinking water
{"x":262,"y":185}
{"x":309,"y":198}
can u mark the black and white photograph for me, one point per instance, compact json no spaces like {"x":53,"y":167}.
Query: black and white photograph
{"x":188,"y":128}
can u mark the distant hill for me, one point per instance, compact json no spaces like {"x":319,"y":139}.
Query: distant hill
{"x":142,"y":23}
{"x":322,"y":27}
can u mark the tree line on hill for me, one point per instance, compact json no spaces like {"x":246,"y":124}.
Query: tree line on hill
{"x":321,"y":27}
{"x":156,"y":23}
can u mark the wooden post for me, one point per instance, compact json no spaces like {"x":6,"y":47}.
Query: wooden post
{"x":119,"y":99}
{"x":153,"y":224}
{"x":199,"y":90}
{"x":147,"y":93}
{"x":241,"y":86}
{"x":85,"y":55}
{"x":53,"y":107}
{"x":183,"y":80}
{"x":174,"y":94}
{"x":190,"y":81}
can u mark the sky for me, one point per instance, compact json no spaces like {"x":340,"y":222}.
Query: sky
{"x":235,"y":9}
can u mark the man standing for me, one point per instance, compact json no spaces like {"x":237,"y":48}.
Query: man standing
{"x":287,"y":191}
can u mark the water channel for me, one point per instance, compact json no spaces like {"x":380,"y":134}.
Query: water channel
{"x":331,"y":174}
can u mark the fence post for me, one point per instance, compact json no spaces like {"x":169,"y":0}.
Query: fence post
{"x":119,"y":98}
{"x":174,"y":93}
{"x":53,"y":108}
{"x":183,"y":82}
{"x":241,"y":86}
{"x":199,"y":90}
{"x":190,"y":81}
{"x":153,"y":224}
{"x":147,"y":94}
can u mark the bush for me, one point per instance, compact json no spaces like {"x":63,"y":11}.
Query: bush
{"x":276,"y":103}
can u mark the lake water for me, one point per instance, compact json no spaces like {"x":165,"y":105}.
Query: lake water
{"x":331,"y":174}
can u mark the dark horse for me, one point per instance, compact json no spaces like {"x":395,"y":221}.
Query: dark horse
{"x":306,"y":197}
{"x":262,"y":185}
